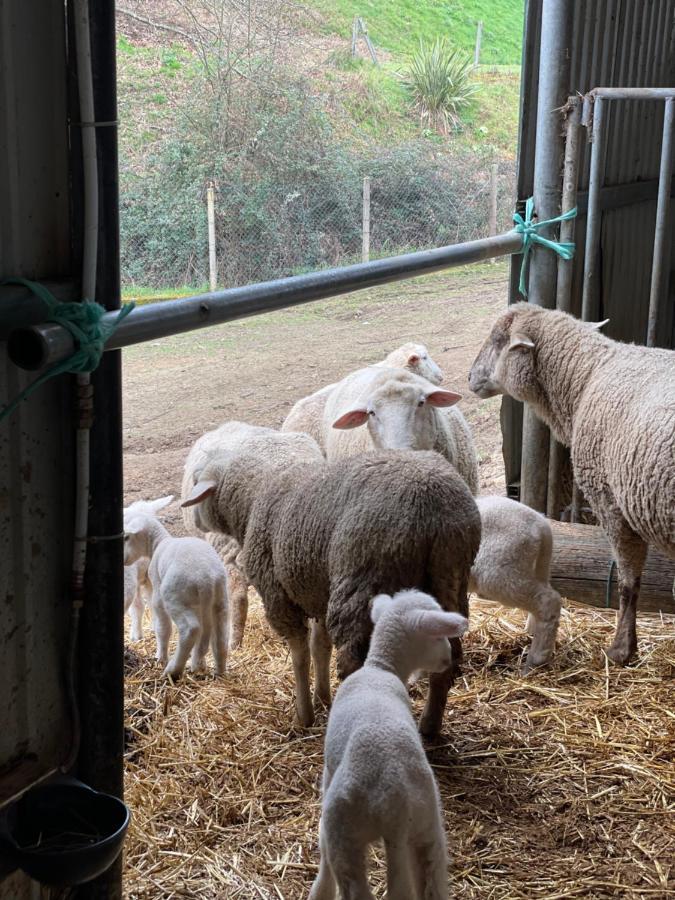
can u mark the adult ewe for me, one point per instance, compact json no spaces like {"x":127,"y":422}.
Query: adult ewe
{"x":318,"y":541}
{"x":307,"y":414}
{"x":613,"y":404}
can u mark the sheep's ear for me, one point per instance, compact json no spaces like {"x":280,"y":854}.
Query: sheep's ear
{"x":156,"y":505}
{"x":132,"y":528}
{"x":440,"y":624}
{"x":443,"y":398}
{"x":352,"y":419}
{"x":378,"y":605}
{"x":199,"y":492}
{"x":521,"y":342}
{"x":413,"y":360}
{"x":597,"y":326}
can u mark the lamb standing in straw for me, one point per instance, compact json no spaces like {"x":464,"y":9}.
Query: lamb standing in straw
{"x":613,"y":404}
{"x":377,"y":782}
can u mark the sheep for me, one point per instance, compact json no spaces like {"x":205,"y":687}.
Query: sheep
{"x":613,"y":404}
{"x":513,"y":568}
{"x":307,"y":414}
{"x":319,"y":539}
{"x":231,"y":435}
{"x":400,"y":411}
{"x":136,"y":585}
{"x":377,"y":782}
{"x":188,"y":587}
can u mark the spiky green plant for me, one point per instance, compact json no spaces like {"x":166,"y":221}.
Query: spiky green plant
{"x":438,"y":78}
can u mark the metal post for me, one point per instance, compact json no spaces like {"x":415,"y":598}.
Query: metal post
{"x":479,"y":38}
{"x":661,"y":235}
{"x":365,"y":221}
{"x":211,"y":218}
{"x":554,"y":62}
{"x":565,"y":274}
{"x":589,"y":302}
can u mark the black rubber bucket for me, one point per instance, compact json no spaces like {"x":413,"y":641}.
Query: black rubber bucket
{"x":64,"y":833}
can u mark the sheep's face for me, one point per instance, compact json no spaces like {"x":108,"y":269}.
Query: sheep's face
{"x":398,"y":415}
{"x":422,"y":364}
{"x":135,"y":540}
{"x":505,"y":364}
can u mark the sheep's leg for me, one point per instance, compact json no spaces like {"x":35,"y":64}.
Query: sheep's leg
{"x":303,"y":699}
{"x":161,"y":622}
{"x":348,"y":623}
{"x":348,"y":862}
{"x":219,"y":633}
{"x":437,"y":695}
{"x":189,"y":630}
{"x":321,"y":648}
{"x":201,"y":647}
{"x":546,"y":616}
{"x":531,"y":625}
{"x":136,"y":614}
{"x":630,"y":552}
{"x":430,"y":866}
{"x":324,"y":887}
{"x":400,"y":882}
{"x":237,"y":589}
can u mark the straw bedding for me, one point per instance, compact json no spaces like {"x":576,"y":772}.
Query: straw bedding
{"x":558,"y":785}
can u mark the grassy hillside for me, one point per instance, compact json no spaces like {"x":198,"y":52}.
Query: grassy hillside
{"x":399,"y":25}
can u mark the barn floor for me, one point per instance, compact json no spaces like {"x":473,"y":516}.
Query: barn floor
{"x":558,"y":785}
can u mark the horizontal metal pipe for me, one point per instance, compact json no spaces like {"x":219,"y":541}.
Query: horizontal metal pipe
{"x":661,"y":234}
{"x":42,"y":345}
{"x":628,"y":93}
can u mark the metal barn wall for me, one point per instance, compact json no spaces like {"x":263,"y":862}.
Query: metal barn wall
{"x":614,"y":43}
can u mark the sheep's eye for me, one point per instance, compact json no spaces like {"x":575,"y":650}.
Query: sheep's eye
{"x":371,"y":412}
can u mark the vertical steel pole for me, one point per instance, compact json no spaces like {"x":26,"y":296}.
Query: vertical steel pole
{"x":590,"y":296}
{"x":661,"y":235}
{"x":211,"y":220}
{"x":554,"y":63}
{"x":565,"y":275}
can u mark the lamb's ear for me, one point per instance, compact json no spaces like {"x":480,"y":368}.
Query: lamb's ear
{"x":440,"y":624}
{"x":521,"y":342}
{"x":156,"y":505}
{"x":378,"y":605}
{"x":352,"y":419}
{"x":442,"y":398}
{"x":413,"y":360}
{"x":597,"y":326}
{"x":132,"y":528}
{"x":199,"y":492}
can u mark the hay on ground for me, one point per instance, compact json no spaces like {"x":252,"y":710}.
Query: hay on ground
{"x":557,"y":785}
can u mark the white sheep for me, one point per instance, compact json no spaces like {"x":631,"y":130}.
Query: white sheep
{"x":230,"y":436}
{"x":136,"y":588}
{"x":613,"y":404}
{"x":307,"y":414}
{"x":188,"y":586}
{"x":377,"y":782}
{"x":513,"y":567}
{"x":393,"y":409}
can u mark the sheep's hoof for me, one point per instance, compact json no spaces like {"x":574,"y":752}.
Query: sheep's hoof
{"x":305,"y":720}
{"x":430,"y":728}
{"x":173,"y":674}
{"x":620,"y":654}
{"x":531,"y":664}
{"x":321,"y":701}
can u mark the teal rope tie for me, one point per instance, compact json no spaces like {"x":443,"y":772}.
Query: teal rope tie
{"x":530,"y":233}
{"x":84,"y":322}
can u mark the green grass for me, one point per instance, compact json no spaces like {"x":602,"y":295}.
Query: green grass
{"x":399,"y":25}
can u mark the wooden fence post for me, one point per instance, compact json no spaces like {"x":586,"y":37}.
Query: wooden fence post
{"x":479,"y":36}
{"x":211,"y":218}
{"x":365,"y":223}
{"x":494,"y":168}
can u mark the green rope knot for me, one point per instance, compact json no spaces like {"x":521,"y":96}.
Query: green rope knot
{"x":530,"y":233}
{"x":84,"y":321}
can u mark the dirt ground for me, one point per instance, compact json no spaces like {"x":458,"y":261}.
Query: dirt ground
{"x":255,"y":369}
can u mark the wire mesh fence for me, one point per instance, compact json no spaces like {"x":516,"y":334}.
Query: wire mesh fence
{"x":269,"y":226}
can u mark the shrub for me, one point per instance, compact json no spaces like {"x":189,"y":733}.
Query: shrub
{"x":438,"y":78}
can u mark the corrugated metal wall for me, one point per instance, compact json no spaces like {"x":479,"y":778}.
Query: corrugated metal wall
{"x":615,"y":43}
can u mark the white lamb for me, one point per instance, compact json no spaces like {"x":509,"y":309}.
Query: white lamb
{"x":377,"y":782}
{"x":188,"y":586}
{"x":513,"y":567}
{"x":307,"y":414}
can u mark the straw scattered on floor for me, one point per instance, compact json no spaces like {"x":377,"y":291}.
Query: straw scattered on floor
{"x":558,"y":785}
